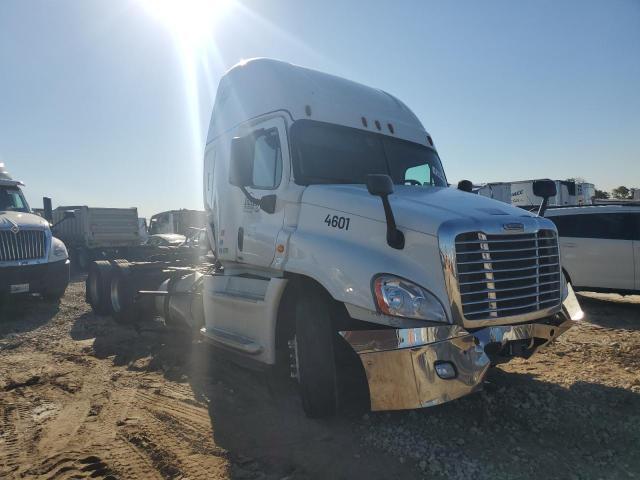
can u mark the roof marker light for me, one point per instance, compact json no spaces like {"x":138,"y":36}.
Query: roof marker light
{"x":378,"y":125}
{"x":307,"y":110}
{"x":364,"y":122}
{"x":390,"y":128}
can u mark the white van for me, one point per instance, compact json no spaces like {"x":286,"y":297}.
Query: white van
{"x":600,"y":246}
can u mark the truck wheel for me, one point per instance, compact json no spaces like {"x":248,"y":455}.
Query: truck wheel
{"x":314,"y":350}
{"x":121,"y":293}
{"x":98,"y":285}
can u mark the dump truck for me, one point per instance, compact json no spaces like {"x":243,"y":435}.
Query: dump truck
{"x":32,"y":260}
{"x":340,"y":248}
{"x":96,"y":233}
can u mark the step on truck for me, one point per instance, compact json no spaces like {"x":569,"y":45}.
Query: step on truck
{"x":338,"y":240}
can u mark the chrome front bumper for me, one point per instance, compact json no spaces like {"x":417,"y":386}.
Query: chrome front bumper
{"x":400,"y":363}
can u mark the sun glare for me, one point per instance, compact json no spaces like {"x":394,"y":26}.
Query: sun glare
{"x":191,"y":21}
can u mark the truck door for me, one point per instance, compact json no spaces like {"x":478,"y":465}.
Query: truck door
{"x":258,"y":229}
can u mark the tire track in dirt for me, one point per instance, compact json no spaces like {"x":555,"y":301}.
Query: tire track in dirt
{"x":176,"y":437}
{"x":72,"y":464}
{"x":9,"y":440}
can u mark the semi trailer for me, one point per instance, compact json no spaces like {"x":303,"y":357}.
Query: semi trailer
{"x":338,"y":243}
{"x":520,"y":194}
{"x":32,"y":260}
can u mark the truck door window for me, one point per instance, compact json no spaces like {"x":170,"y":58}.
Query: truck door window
{"x":267,"y":160}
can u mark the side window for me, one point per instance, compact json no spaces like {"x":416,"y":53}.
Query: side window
{"x":419,"y":173}
{"x":612,"y":226}
{"x":267,"y":160}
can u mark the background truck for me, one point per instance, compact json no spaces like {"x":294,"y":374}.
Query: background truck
{"x":97,"y":233}
{"x":343,"y":256}
{"x":521,"y":193}
{"x":177,"y":221}
{"x":32,"y":260}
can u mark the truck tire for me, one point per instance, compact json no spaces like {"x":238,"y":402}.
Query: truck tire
{"x":122,"y":293}
{"x":314,"y":349}
{"x":98,"y":285}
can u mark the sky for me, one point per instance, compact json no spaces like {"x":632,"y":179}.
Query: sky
{"x":107,"y":102}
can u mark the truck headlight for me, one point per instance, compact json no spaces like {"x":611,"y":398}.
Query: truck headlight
{"x":401,"y":298}
{"x":58,"y":250}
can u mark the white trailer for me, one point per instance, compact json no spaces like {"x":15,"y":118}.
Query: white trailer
{"x":522,"y":194}
{"x":585,"y":193}
{"x":498,"y":191}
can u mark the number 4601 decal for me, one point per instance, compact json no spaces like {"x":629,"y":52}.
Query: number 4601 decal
{"x":337,"y":222}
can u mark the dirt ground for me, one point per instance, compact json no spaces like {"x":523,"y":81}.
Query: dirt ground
{"x":84,"y":397}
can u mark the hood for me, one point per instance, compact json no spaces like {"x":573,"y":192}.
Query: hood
{"x":9,"y":219}
{"x":422,"y":209}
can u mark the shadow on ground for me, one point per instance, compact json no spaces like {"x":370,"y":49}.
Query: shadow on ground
{"x":611,"y":310}
{"x":519,"y":427}
{"x":19,"y":314}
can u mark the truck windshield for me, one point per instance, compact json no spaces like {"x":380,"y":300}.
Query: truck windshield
{"x":11,"y":199}
{"x":326,"y":153}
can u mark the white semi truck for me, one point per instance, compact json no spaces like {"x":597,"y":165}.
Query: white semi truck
{"x":32,"y":260}
{"x":338,"y":240}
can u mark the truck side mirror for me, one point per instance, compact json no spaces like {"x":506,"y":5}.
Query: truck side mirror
{"x":465,"y":186}
{"x":241,"y":161}
{"x":546,"y":189}
{"x":379,"y":185}
{"x":48,"y":209}
{"x":67,"y":215}
{"x":382,"y":186}
{"x":241,"y":170}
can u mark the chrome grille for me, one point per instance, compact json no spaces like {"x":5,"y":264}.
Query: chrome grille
{"x":24,"y":245}
{"x":505,"y":275}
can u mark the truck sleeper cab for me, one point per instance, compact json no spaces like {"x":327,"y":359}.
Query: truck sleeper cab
{"x":427,"y":285}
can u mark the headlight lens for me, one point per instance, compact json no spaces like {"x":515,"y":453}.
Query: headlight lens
{"x":400,"y":298}
{"x":58,"y":249}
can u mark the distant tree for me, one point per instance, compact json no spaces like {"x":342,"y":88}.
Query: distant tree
{"x":602,"y":195}
{"x":621,"y":193}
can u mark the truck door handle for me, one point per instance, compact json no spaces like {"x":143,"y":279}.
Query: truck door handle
{"x":240,"y":238}
{"x":569,"y":245}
